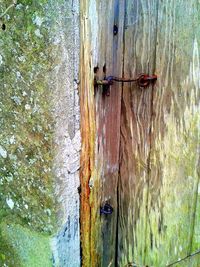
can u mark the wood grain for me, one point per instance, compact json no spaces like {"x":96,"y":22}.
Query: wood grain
{"x":140,"y":146}
{"x":136,"y":128}
{"x":100,"y":128}
{"x":159,"y":169}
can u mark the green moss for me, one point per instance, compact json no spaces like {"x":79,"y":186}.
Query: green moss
{"x":23,"y":247}
{"x":26,"y":136}
{"x":179,"y":197}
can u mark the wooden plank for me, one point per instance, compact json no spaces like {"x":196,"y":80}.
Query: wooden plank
{"x":100,"y":128}
{"x":87,"y":132}
{"x":108,"y":110}
{"x":159,"y":196}
{"x":140,"y":36}
{"x":176,"y":132}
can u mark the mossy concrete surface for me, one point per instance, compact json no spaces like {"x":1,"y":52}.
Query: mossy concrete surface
{"x":39,"y":137}
{"x":27,"y":203}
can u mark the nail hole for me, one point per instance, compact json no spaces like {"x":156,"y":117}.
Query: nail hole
{"x":104,"y":68}
{"x":115,"y":29}
{"x":3,"y":26}
{"x":96,"y":69}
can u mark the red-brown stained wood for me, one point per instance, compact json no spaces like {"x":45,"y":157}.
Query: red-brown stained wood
{"x":87,"y":135}
{"x":101,"y":126}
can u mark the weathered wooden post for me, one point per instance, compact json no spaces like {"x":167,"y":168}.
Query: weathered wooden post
{"x":133,"y":164}
{"x":140,"y":145}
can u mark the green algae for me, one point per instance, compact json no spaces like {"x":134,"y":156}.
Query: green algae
{"x":26,"y":136}
{"x":26,"y":122}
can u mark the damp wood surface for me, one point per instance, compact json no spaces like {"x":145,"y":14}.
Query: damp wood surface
{"x":140,"y":146}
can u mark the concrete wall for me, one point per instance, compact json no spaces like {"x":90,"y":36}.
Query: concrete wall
{"x":67,"y":134}
{"x":40,"y":138}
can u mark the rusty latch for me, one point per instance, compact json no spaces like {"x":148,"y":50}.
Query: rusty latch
{"x":143,"y":80}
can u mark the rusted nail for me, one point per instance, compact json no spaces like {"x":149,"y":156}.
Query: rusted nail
{"x":106,"y":209}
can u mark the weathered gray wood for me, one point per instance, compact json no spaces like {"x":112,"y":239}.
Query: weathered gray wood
{"x":155,"y":194}
{"x":160,"y":136}
{"x":176,"y":131}
{"x":136,"y":128}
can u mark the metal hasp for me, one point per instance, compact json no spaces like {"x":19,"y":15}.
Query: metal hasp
{"x":143,"y":80}
{"x":106,"y":209}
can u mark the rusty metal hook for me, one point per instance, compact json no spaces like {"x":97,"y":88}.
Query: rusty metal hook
{"x":143,"y":80}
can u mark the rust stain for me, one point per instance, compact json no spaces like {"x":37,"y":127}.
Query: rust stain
{"x":100,"y":129}
{"x":88,"y":137}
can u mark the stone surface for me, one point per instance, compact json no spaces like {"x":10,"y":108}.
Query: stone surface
{"x":65,"y":36}
{"x":39,"y":138}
